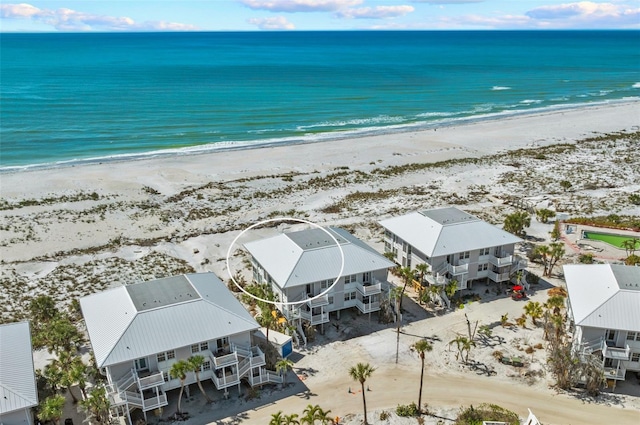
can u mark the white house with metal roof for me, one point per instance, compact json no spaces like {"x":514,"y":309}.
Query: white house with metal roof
{"x":138,"y":331}
{"x":305,"y":264}
{"x":456,"y":246}
{"x":604,"y":305}
{"x":18,"y":391}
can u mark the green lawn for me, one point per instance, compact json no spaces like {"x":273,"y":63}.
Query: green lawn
{"x":615,"y":240}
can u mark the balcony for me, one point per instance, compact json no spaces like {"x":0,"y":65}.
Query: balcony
{"x":501,"y":261}
{"x":615,"y":373}
{"x":318,"y":302}
{"x":224,"y":380}
{"x":368,"y":307}
{"x":367,"y":289}
{"x":315,"y":319}
{"x":458,"y":270}
{"x":150,"y":381}
{"x":616,"y":353}
{"x":498,"y":277}
{"x":254,"y":354}
{"x":154,"y":401}
{"x":225,"y":360}
{"x":264,"y":377}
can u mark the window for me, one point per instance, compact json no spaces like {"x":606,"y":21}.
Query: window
{"x":387,"y":246}
{"x":195,"y":348}
{"x":222,"y":342}
{"x":324,"y":284}
{"x":168,"y":355}
{"x":635,"y":357}
{"x":484,"y":251}
{"x":346,"y":296}
{"x":204,"y":346}
{"x":631,"y":336}
{"x":331,"y":300}
{"x":350,"y":278}
{"x":464,"y":255}
{"x":353,"y":295}
{"x":206,"y":365}
{"x":610,"y":335}
{"x":483,"y":267}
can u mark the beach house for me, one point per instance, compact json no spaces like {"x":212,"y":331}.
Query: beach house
{"x":604,"y":307}
{"x":139,"y":331}
{"x":454,"y":244}
{"x":301,"y":267}
{"x":18,"y":391}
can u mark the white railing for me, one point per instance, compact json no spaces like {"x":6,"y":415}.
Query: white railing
{"x":459,"y":269}
{"x":265,"y":376}
{"x":226,"y":360}
{"x":368,"y":307}
{"x":315,"y":319}
{"x":614,"y":373}
{"x":498,"y":277}
{"x":615,"y":352}
{"x":501,"y":261}
{"x":154,"y":402}
{"x":225,"y":380}
{"x":150,"y":381}
{"x":318,"y":302}
{"x":126,"y":381}
{"x":370,"y":289}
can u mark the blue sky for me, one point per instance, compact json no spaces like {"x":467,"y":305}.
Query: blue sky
{"x":265,"y":15}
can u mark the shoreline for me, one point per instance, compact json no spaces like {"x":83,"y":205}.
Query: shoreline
{"x":331,"y":137}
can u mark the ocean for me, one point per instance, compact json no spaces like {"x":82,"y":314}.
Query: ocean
{"x":67,"y":99}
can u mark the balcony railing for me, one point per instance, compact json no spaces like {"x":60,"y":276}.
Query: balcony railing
{"x":265,"y":376}
{"x":614,"y":373}
{"x":151,"y":381}
{"x":225,"y":380}
{"x":154,"y":402}
{"x":225,"y":360}
{"x":318,"y":302}
{"x":501,"y":261}
{"x":315,"y":319}
{"x":459,"y":269}
{"x":254,"y":354}
{"x":616,"y":353}
{"x":498,"y":277}
{"x":369,"y":289}
{"x":368,"y":307}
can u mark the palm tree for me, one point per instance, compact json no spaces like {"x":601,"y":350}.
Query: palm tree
{"x":534,"y":310}
{"x":195,"y":364}
{"x":421,"y":268}
{"x":516,"y":222}
{"x":463,"y":344}
{"x":421,"y":347}
{"x":544,"y":252}
{"x":51,"y":409}
{"x":555,"y":303}
{"x":277,"y":418}
{"x":407,"y":276}
{"x":179,"y":370}
{"x":282,"y":367}
{"x":314,"y":413}
{"x":97,"y":404}
{"x":291,"y":419}
{"x":361,"y":372}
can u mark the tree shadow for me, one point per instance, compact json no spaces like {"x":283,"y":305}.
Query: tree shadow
{"x":481,"y":368}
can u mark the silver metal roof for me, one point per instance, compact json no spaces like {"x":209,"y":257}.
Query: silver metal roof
{"x":120,"y":332}
{"x":447,"y":231}
{"x":17,"y":376}
{"x":290,"y":265}
{"x":604,"y":296}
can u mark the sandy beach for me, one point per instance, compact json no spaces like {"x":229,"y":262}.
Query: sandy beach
{"x":69,"y":232}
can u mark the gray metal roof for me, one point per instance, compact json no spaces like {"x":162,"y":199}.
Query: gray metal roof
{"x":290,"y":265}
{"x":121,"y":332}
{"x":447,"y":231}
{"x":604,"y":296}
{"x":17,"y":376}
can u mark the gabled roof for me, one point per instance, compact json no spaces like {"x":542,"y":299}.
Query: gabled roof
{"x":307,"y":256}
{"x":604,"y":296}
{"x":17,"y":376}
{"x":446,"y":231}
{"x":134,"y":321}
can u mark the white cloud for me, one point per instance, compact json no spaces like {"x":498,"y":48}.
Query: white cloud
{"x":300,"y":5}
{"x":71,"y":20}
{"x":447,"y":1}
{"x":587,"y":14}
{"x":274,"y":23}
{"x":378,"y":12}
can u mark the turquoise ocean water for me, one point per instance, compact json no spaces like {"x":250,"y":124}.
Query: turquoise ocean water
{"x":74,"y":98}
